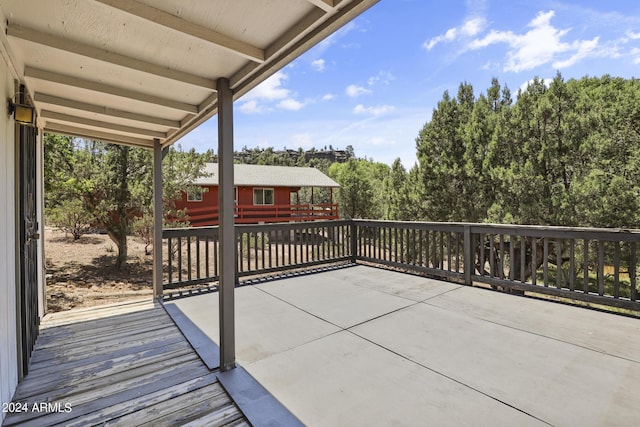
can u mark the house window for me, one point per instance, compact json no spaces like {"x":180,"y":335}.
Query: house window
{"x":194,"y":194}
{"x":263,"y":196}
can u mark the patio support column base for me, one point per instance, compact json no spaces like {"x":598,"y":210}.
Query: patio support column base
{"x":227,"y":261}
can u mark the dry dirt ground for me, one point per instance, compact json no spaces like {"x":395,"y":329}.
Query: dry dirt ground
{"x":81,"y":273}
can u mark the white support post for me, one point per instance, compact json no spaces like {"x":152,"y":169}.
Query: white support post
{"x":157,"y":219}
{"x":228,"y":247}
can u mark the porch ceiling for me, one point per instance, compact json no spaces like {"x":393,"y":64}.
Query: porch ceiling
{"x":131,"y":72}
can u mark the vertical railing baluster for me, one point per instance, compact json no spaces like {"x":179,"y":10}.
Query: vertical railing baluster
{"x":616,"y":270}
{"x":601,"y":244}
{"x":179,"y":259}
{"x":448,"y":251}
{"x":240,"y":261}
{"x":170,"y":259}
{"x":216,"y":238}
{"x":492,"y":255}
{"x":206,"y":256}
{"x":427,"y":248}
{"x":572,"y":265}
{"x":189,"y":258}
{"x":585,"y":284}
{"x":558,"y":263}
{"x":198,"y":273}
{"x":523,"y":259}
{"x":458,"y":236}
{"x":512,"y":261}
{"x":534,"y":260}
{"x":420,"y":263}
{"x":501,"y":256}
{"x":632,"y":271}
{"x":482,"y":250}
{"x":545,"y":265}
{"x":262,"y":249}
{"x":441,"y":263}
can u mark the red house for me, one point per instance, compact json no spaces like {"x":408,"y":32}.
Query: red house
{"x":263,"y":194}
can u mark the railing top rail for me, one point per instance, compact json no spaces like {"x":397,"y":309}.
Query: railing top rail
{"x":190,"y":232}
{"x":291,"y":225}
{"x":438,"y":226}
{"x":621,"y":234}
{"x":628,"y":235}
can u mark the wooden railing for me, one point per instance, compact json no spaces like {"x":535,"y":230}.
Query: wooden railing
{"x":254,"y":214}
{"x":191,"y":254}
{"x":598,"y":266}
{"x":583,"y":264}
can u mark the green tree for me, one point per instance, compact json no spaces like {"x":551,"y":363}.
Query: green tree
{"x":70,"y":216}
{"x":361,"y":193}
{"x":113,"y":184}
{"x":565,"y":153}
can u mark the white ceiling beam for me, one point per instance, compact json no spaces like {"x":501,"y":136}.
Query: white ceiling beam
{"x":63,"y":129}
{"x":326,"y":5}
{"x":99,"y":109}
{"x":45,"y":114}
{"x":63,"y":79}
{"x":77,"y":48}
{"x":168,"y":20}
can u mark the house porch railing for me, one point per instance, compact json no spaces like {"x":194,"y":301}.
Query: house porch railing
{"x":253,"y":214}
{"x":598,"y":266}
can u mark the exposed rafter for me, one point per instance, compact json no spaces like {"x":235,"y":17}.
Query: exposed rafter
{"x":168,"y":20}
{"x":326,"y":5}
{"x":45,"y":114}
{"x":63,"y":79}
{"x":84,"y":106}
{"x":64,"y":129}
{"x":67,"y":45}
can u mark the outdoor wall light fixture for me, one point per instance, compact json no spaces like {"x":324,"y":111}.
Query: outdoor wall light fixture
{"x":22,"y":113}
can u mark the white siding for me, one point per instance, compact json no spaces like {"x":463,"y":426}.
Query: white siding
{"x":8,"y":344}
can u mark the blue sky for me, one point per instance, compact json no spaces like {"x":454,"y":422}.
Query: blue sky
{"x":375,"y":83}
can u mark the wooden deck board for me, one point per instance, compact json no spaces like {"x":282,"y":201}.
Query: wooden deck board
{"x":88,"y":330}
{"x":123,"y":364}
{"x":122,"y":341}
{"x":133,"y":352}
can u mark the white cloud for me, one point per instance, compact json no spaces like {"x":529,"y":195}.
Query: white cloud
{"x":270,"y":89}
{"x":383,"y":77}
{"x":584,"y":50}
{"x":335,"y":37}
{"x":318,"y":64}
{"x":354,"y":91}
{"x":632,"y":35}
{"x":469,"y":28}
{"x":374,"y":111}
{"x":303,"y":140}
{"x":251,"y":107}
{"x":541,"y":44}
{"x":262,"y":98}
{"x":328,"y":97}
{"x":290,"y":104}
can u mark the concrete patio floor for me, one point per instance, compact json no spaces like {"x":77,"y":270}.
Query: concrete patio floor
{"x":366,"y":346}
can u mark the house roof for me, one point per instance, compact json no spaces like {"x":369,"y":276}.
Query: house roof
{"x":139,"y":71}
{"x":270,"y":176}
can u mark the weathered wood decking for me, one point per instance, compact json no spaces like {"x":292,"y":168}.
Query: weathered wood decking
{"x":124,"y":364}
